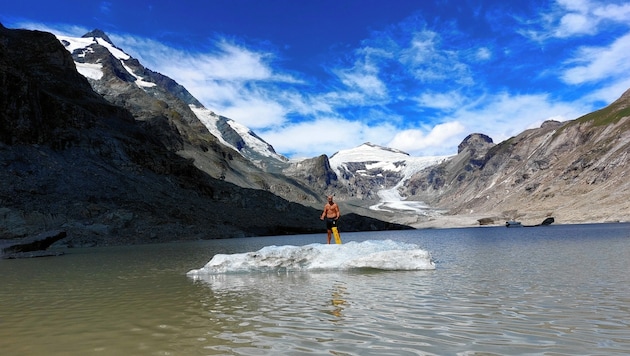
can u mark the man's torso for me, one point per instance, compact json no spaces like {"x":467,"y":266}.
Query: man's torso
{"x":331,"y":210}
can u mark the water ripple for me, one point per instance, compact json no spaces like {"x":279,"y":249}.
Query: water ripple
{"x":489,"y":295}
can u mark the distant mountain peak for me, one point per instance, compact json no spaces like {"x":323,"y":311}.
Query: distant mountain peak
{"x":368,"y":151}
{"x":92,"y":63}
{"x":96,"y":33}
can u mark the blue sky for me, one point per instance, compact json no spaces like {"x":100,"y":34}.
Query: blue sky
{"x":313,"y":77}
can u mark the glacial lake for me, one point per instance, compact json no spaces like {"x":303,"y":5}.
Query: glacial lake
{"x":555,"y":290}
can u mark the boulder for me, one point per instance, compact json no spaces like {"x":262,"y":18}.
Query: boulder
{"x":34,"y":246}
{"x":548,"y":221}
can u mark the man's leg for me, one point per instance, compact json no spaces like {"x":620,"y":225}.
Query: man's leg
{"x":329,"y":232}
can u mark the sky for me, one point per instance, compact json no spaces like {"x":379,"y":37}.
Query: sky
{"x":314,"y":77}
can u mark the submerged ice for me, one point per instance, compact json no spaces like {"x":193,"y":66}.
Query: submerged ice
{"x":384,"y":255}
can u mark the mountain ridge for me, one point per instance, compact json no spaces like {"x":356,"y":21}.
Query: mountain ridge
{"x":120,"y":150}
{"x":217,"y":145}
{"x":382,"y":186}
{"x":576,"y":171}
{"x":120,"y":171}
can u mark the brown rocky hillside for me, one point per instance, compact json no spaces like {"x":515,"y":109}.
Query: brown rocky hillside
{"x":577,"y":172}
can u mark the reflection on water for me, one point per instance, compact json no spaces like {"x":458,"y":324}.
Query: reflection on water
{"x":338,"y":293}
{"x":557,"y":290}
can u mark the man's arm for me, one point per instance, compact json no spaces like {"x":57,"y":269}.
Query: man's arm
{"x":323,"y":213}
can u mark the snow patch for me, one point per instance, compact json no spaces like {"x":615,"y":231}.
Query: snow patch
{"x":253,"y":142}
{"x":139,"y":81}
{"x":210,"y":120}
{"x":90,"y":70}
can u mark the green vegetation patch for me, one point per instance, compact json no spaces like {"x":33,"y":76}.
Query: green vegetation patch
{"x":605,"y":116}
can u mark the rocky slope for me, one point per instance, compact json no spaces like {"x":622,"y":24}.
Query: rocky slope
{"x":96,"y":144}
{"x":216,"y":145}
{"x":575,"y":171}
{"x":121,"y":170}
{"x":370,"y":180}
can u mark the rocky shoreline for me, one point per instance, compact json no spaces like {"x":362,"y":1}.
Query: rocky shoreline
{"x":461,"y":221}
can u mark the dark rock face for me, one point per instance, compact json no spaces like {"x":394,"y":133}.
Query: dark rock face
{"x":315,"y":171}
{"x":475,"y":142}
{"x":34,"y":246}
{"x":548,"y":221}
{"x":42,"y":97}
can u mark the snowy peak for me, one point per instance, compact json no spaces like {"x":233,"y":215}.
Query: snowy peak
{"x":368,"y":152}
{"x":96,"y":58}
{"x":373,"y":172}
{"x":98,"y":34}
{"x":237,"y":136}
{"x":377,"y":159}
{"x":83,"y":44}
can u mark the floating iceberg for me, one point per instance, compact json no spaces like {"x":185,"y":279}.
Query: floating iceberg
{"x":383,"y":255}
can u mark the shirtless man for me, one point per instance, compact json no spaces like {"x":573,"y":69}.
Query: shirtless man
{"x":331,"y":213}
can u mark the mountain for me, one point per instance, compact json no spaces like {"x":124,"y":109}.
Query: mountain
{"x":117,"y":155}
{"x":374,"y":174}
{"x":370,"y":180}
{"x":94,"y":143}
{"x":371,"y":171}
{"x":217,"y":145}
{"x":576,"y":171}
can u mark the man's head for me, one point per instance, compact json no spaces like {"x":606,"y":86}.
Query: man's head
{"x":330,"y":198}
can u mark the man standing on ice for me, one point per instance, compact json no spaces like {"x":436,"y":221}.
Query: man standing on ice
{"x":331,"y":214}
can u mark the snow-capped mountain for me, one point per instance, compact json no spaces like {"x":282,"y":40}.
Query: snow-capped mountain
{"x":376,"y":173}
{"x":239,"y":137}
{"x":216,"y":145}
{"x":227,"y":131}
{"x":369,"y":173}
{"x":130,"y":149}
{"x":117,"y":156}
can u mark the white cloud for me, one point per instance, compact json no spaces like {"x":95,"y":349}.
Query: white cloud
{"x":445,"y":101}
{"x":365,"y":81}
{"x":417,"y":141}
{"x":599,"y":63}
{"x":570,"y":18}
{"x":484,"y":53}
{"x":325,"y":135}
{"x":504,"y":115}
{"x":63,"y":29}
{"x":576,"y":23}
{"x":608,"y":93}
{"x":575,"y":5}
{"x":499,"y":116}
{"x":256,"y":113}
{"x":428,"y":62}
{"x":231,"y":63}
{"x":362,"y":80}
{"x":227,"y":62}
{"x":613,"y":12}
